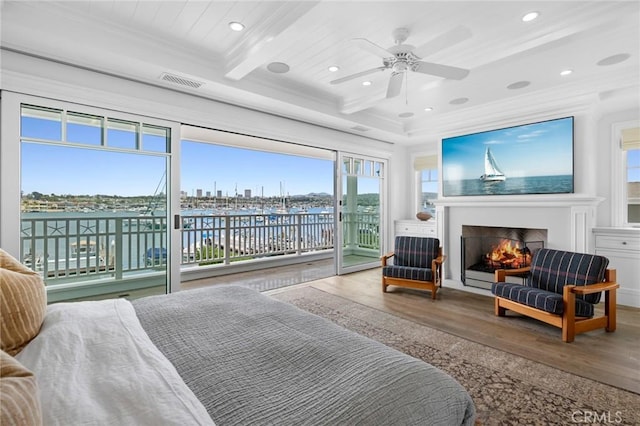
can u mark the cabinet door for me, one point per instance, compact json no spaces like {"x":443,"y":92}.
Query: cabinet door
{"x":627,"y":266}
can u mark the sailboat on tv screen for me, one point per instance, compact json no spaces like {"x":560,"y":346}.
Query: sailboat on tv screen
{"x":491,"y":171}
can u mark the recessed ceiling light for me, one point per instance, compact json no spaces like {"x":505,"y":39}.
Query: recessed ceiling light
{"x":366,"y":83}
{"x":236,"y":26}
{"x":334,"y":68}
{"x":615,"y":59}
{"x":530,"y":16}
{"x":428,"y":109}
{"x":518,"y":85}
{"x":278,"y":67}
{"x":459,"y":101}
{"x":565,"y":72}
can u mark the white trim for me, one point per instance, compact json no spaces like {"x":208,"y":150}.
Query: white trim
{"x":200,"y":134}
{"x":10,"y":173}
{"x":175,"y":234}
{"x":532,"y":200}
{"x":582,"y":221}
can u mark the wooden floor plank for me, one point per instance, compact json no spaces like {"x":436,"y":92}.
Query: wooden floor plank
{"x":611,"y":358}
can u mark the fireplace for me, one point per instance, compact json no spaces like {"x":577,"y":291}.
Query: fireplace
{"x":487,"y":248}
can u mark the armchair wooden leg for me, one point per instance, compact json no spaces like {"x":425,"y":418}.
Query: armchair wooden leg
{"x":384,"y":286}
{"x":569,"y":315}
{"x":610,"y":309}
{"x":499,"y":311}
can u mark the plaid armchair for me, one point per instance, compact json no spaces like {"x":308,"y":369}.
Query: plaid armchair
{"x":561,"y":288}
{"x":417,"y":263}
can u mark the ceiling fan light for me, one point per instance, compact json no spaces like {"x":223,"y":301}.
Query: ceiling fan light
{"x":236,"y":26}
{"x":531,"y":16}
{"x":334,"y":68}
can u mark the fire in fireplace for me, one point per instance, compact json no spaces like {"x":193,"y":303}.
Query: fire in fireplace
{"x":485,"y":249}
{"x":507,"y":255}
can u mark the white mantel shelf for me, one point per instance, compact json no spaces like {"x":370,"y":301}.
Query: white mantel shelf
{"x":520,"y":201}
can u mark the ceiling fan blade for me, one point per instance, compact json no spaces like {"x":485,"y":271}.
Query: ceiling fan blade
{"x":371,"y":47}
{"x":446,"y":71}
{"x":356,"y":75}
{"x":395,"y":84}
{"x":443,"y":41}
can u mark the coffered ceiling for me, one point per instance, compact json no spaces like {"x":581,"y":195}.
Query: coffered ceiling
{"x":189,"y":46}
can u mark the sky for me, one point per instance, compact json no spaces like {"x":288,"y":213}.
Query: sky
{"x":540,"y":149}
{"x":68,"y":170}
{"x":57,"y":169}
{"x":208,"y":167}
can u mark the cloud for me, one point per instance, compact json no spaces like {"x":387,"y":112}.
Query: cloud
{"x":531,"y":135}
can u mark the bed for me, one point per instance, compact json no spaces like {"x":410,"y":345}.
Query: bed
{"x":226,"y":355}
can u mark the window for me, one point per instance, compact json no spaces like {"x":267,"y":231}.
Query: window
{"x":631,"y":160}
{"x":94,"y":201}
{"x":426,"y":168}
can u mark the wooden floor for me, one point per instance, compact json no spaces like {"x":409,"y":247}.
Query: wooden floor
{"x":611,"y":358}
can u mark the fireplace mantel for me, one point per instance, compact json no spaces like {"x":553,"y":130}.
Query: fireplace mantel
{"x":520,"y":201}
{"x":568,"y":218}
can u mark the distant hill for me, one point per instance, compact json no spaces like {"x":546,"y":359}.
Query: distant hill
{"x":314,"y":195}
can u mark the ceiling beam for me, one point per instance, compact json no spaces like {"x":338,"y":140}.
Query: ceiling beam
{"x":273,"y":35}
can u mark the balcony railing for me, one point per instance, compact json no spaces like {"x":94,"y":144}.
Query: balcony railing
{"x":70,"y":247}
{"x":226,"y":238}
{"x":66,"y":247}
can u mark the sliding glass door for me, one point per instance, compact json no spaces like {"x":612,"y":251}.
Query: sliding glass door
{"x":360,"y":212}
{"x":94,"y":209}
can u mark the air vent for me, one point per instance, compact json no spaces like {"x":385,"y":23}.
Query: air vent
{"x":360,"y":128}
{"x":175,"y":79}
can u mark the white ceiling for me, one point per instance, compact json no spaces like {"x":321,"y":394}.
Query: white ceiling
{"x":143,"y":40}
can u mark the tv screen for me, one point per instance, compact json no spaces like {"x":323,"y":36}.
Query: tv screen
{"x":535,"y":158}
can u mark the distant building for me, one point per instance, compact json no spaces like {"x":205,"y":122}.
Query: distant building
{"x":199,"y":193}
{"x":247,"y":193}
{"x":219,"y":193}
{"x":208,"y":194}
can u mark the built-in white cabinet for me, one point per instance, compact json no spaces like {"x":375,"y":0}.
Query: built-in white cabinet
{"x":622,"y":247}
{"x":416,"y":228}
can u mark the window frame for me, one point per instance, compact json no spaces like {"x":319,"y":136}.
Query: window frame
{"x":417,"y":178}
{"x":619,"y":196}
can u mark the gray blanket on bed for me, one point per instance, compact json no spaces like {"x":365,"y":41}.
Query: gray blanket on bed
{"x":253,"y":360}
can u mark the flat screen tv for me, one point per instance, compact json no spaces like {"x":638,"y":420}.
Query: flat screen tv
{"x":535,"y":158}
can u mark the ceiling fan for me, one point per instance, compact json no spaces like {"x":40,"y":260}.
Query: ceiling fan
{"x":404,"y":57}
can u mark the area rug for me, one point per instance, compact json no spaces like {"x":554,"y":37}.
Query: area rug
{"x":506,"y":389}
